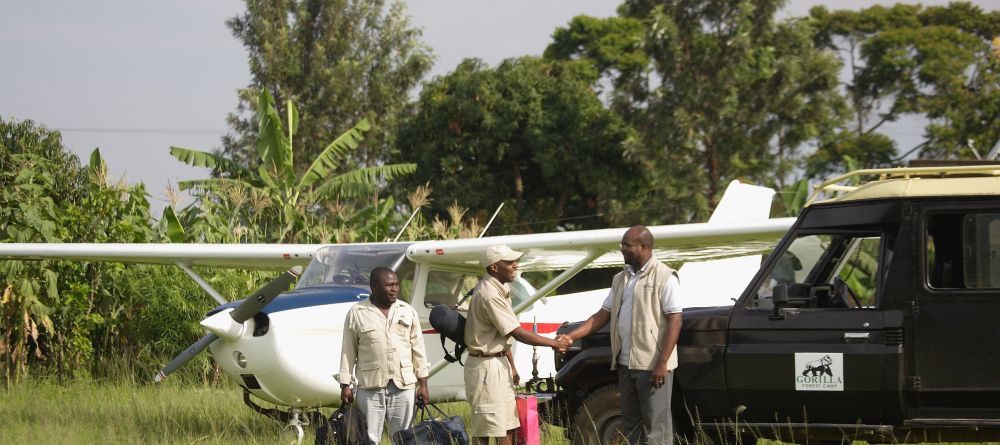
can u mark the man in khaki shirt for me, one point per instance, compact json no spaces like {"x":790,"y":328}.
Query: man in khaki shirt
{"x":645,"y":314}
{"x":489,"y":332}
{"x":384,"y":345}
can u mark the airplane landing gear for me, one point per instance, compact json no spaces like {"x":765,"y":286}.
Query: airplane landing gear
{"x":294,"y":419}
{"x":295,"y":424}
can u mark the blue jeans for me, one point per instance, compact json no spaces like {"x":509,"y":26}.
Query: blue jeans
{"x":380,"y":404}
{"x":645,"y":410}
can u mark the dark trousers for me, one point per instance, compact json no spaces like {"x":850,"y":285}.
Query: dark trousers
{"x":645,"y":410}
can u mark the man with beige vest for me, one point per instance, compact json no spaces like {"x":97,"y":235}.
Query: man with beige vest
{"x":490,"y":331}
{"x":384,"y":345}
{"x":645,"y":314}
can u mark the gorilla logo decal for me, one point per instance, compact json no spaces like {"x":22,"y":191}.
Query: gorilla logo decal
{"x":819,"y":367}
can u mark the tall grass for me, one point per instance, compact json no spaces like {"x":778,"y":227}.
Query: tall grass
{"x":42,"y":411}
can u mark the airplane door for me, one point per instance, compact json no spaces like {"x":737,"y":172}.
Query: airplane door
{"x":955,"y":312}
{"x":827,"y":349}
{"x":442,"y":285}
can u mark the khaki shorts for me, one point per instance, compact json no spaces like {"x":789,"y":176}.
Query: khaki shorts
{"x":489,"y":386}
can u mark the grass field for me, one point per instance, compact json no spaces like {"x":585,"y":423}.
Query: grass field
{"x":40,"y":412}
{"x":43,"y":412}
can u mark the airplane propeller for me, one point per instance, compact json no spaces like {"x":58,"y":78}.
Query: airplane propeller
{"x":229,"y":324}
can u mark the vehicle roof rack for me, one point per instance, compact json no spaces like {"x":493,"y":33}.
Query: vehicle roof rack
{"x":925,"y":169}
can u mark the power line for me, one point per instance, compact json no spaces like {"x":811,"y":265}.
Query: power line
{"x":143,"y":130}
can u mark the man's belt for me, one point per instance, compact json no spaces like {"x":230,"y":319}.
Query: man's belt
{"x":480,"y":354}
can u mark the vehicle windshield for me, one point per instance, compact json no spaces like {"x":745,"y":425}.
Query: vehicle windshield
{"x":350,"y":265}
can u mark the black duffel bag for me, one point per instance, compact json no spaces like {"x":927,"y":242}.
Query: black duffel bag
{"x":431,"y":431}
{"x":346,"y":426}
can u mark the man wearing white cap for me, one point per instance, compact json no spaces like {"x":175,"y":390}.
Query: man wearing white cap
{"x":489,"y":332}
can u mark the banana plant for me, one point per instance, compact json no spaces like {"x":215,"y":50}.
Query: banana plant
{"x":292,"y":194}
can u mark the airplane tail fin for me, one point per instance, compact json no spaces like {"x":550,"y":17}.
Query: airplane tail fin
{"x":700,"y":283}
{"x":743,"y":202}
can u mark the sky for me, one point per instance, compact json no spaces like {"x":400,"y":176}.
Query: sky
{"x":134,"y":78}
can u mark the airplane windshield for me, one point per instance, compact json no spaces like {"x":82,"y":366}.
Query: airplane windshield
{"x":350,"y":265}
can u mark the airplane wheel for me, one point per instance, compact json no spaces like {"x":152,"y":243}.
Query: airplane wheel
{"x":598,"y":419}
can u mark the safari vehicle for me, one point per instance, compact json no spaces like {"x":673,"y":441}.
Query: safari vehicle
{"x":876,"y":317}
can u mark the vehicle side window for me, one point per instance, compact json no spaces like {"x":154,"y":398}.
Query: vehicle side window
{"x":963,"y":250}
{"x":448,"y":287}
{"x":835,"y":270}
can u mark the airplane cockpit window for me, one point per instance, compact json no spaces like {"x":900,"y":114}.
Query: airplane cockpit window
{"x":406,"y":273}
{"x":963,"y":251}
{"x":448,"y":287}
{"x":836,"y":270}
{"x":350,"y":265}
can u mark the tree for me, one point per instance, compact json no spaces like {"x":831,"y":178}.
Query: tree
{"x":936,"y":62}
{"x":277,"y":201}
{"x":530,"y":134}
{"x":612,"y":48}
{"x":730,"y":94}
{"x":337,"y":59}
{"x":60,"y":313}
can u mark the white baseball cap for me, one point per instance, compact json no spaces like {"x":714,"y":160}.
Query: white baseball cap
{"x":499,"y":252}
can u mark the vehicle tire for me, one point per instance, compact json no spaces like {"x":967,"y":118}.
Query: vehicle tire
{"x":598,"y":418}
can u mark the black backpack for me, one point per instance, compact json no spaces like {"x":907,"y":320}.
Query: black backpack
{"x":346,"y":426}
{"x":451,"y":325}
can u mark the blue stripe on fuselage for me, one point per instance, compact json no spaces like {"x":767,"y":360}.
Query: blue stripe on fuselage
{"x":307,"y":297}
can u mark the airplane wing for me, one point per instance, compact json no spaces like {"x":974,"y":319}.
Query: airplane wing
{"x":555,"y":251}
{"x":243,"y":256}
{"x":738,"y":227}
{"x":729,"y":233}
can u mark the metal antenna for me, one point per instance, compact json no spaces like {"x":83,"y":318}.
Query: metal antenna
{"x":994,"y":152}
{"x":491,"y":220}
{"x":412,"y":215}
{"x":972,"y":146}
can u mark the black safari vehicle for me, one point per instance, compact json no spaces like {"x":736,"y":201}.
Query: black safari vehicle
{"x":877,"y":317}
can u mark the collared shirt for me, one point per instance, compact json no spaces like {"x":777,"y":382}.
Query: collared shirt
{"x":669,"y":302}
{"x":491,"y":318}
{"x":381,"y":348}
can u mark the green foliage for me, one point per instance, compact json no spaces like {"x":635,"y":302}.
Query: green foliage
{"x":727,"y":93}
{"x":793,"y":197}
{"x":938,"y":62}
{"x":337,"y":59}
{"x":59,"y":314}
{"x":277,"y":204}
{"x":607,"y":50}
{"x":530,"y":134}
{"x":871,"y":149}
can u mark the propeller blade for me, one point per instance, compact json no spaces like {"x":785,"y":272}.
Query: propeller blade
{"x":255,"y":302}
{"x":183,"y":357}
{"x":243,"y":312}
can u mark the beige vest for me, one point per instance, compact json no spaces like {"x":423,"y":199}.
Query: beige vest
{"x":648,"y":321}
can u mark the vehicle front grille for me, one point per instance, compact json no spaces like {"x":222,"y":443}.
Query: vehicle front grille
{"x":894,"y":336}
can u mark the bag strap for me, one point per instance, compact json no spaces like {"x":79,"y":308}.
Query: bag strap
{"x":443,"y":414}
{"x":424,"y":414}
{"x":466,"y":297}
{"x":459,"y":350}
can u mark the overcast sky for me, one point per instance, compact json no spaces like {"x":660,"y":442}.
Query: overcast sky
{"x":134,"y":78}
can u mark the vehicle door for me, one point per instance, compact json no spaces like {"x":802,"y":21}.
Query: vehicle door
{"x":955,"y":357}
{"x":820,"y":358}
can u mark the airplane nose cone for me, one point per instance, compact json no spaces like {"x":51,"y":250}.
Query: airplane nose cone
{"x":223,"y":325}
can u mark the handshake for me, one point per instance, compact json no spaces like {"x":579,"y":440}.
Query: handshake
{"x":563,"y":342}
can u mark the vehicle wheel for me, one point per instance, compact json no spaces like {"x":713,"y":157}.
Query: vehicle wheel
{"x":598,"y":419}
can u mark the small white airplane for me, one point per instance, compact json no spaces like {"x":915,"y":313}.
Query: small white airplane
{"x":282,"y":347}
